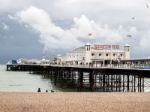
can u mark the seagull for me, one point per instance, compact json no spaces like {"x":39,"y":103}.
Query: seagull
{"x":129,"y":35}
{"x":147,"y":5}
{"x":133,"y":18}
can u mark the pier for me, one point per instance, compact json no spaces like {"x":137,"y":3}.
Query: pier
{"x":104,"y":79}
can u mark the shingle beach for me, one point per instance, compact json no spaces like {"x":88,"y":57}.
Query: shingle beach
{"x":74,"y":102}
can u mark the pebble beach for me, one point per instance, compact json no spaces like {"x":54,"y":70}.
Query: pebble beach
{"x":74,"y":102}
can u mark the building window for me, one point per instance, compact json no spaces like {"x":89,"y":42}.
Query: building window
{"x":100,"y":54}
{"x":92,"y":54}
{"x":114,"y":54}
{"x":121,"y":54}
{"x":107,"y":54}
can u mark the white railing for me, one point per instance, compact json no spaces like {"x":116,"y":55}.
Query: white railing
{"x":94,"y":66}
{"x":121,"y":66}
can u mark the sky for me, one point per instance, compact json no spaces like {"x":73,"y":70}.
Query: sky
{"x":37,"y":28}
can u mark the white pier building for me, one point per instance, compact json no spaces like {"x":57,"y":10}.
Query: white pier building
{"x":98,"y":55}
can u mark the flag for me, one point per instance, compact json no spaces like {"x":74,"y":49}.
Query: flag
{"x":147,"y":5}
{"x":89,"y":34}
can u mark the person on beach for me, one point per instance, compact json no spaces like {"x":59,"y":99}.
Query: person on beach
{"x":52,"y":91}
{"x":39,"y":90}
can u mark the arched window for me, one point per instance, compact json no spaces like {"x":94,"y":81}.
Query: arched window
{"x":106,"y":54}
{"x":100,"y":54}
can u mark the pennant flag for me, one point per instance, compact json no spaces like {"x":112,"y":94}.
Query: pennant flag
{"x":133,"y":18}
{"x":89,"y":34}
{"x":147,"y":5}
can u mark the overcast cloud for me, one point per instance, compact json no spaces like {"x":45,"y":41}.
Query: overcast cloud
{"x":65,"y":24}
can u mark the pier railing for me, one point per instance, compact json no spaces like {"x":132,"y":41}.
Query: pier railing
{"x":91,"y":66}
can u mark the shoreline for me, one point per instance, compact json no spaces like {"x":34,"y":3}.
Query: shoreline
{"x":74,"y":102}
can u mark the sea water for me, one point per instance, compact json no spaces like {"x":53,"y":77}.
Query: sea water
{"x":22,"y":81}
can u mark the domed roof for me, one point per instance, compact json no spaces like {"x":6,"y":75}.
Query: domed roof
{"x":87,"y":44}
{"x":127,"y":45}
{"x":58,"y":55}
{"x":43,"y":59}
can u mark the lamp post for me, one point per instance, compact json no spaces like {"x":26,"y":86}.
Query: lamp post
{"x":111,"y":55}
{"x":119,"y":59}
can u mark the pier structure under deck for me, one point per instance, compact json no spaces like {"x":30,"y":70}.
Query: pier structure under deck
{"x":94,"y":79}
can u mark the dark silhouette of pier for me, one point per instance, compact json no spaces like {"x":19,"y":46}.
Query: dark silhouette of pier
{"x":105,"y":79}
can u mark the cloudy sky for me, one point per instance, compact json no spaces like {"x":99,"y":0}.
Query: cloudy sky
{"x":33,"y":28}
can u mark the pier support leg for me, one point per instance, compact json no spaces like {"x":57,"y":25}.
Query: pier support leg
{"x":55,"y":76}
{"x":112,"y":82}
{"x":138,"y":84}
{"x":142,"y":84}
{"x":108,"y":83}
{"x":104,"y":82}
{"x":134,"y":83}
{"x":91,"y":80}
{"x":123,"y":83}
{"x":128,"y":83}
{"x":80,"y":73}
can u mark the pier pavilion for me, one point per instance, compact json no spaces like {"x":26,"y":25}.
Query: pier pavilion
{"x":96,"y":55}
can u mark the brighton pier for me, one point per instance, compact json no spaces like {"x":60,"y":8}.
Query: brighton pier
{"x":105,"y":79}
{"x":106,"y":68}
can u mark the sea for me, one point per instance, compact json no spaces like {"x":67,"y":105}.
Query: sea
{"x":23,"y":82}
{"x":11,"y":81}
